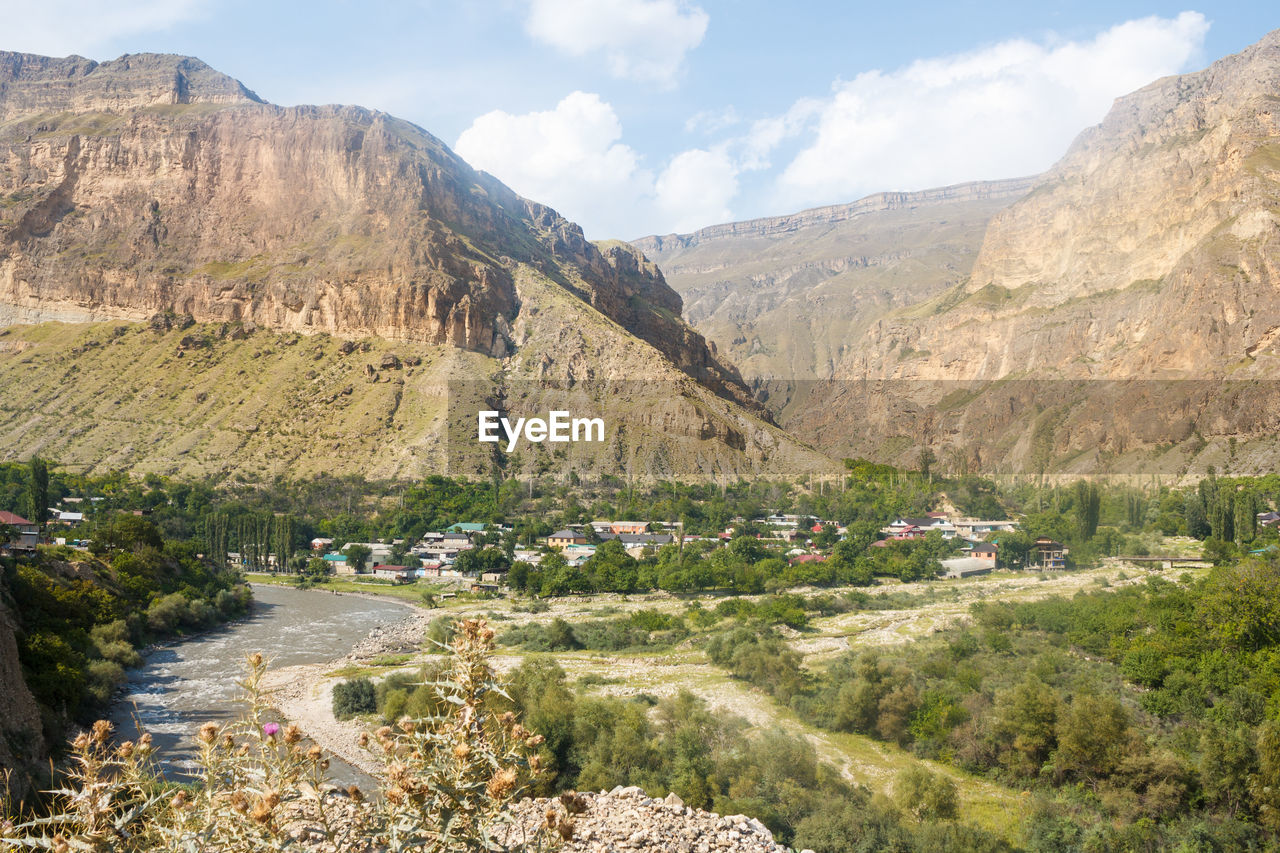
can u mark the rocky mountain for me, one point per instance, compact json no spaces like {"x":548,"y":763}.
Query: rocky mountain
{"x":790,"y":297}
{"x":153,"y":189}
{"x":1122,"y":315}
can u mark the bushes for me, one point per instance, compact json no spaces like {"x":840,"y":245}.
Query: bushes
{"x":354,"y":697}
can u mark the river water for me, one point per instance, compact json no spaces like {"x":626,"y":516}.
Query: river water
{"x":181,"y":686}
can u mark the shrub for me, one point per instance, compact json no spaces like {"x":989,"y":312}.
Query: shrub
{"x":354,"y":697}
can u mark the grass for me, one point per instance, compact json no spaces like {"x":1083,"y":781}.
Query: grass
{"x":411,"y":593}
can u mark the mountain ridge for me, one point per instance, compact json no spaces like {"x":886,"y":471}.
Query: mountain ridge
{"x":153,"y":187}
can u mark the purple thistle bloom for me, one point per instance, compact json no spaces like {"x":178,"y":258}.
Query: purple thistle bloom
{"x":270,"y":729}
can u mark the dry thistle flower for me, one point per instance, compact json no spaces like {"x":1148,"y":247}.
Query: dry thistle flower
{"x":462,"y":751}
{"x":265,"y":806}
{"x":145,"y":740}
{"x":255,"y":660}
{"x":395,"y":794}
{"x":81,"y":742}
{"x":179,"y":800}
{"x":125,"y":750}
{"x":292,"y":734}
{"x":60,"y":845}
{"x":519,"y":732}
{"x":354,"y":792}
{"x":535,"y":763}
{"x":552,"y":817}
{"x":508,"y":719}
{"x":208,"y":732}
{"x":565,"y":828}
{"x":364,"y":739}
{"x":501,"y":784}
{"x":243,"y":750}
{"x":228,"y":742}
{"x":315,"y":753}
{"x":573,"y":802}
{"x":101,"y":731}
{"x":324,"y":764}
{"x":239,"y":802}
{"x":534,"y":742}
{"x":407,"y":724}
{"x":384,"y":732}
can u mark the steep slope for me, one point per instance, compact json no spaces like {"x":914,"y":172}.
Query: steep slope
{"x":154,"y":187}
{"x":790,"y":297}
{"x":1147,"y":253}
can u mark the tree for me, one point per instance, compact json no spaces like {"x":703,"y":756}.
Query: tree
{"x":358,"y":557}
{"x":926,"y":795}
{"x":1196,"y":518}
{"x":1088,"y":508}
{"x":38,"y":491}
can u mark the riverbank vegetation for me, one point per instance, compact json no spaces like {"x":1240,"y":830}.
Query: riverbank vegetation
{"x":80,"y":620}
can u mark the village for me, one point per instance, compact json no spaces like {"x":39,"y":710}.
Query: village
{"x":975,"y":544}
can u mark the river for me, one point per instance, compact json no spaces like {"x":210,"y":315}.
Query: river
{"x":183,"y":685}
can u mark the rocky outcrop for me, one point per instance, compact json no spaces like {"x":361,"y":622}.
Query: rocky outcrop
{"x":32,"y":85}
{"x":22,"y":746}
{"x":629,"y":819}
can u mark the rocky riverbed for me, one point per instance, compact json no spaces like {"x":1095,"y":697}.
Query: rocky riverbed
{"x":304,"y":694}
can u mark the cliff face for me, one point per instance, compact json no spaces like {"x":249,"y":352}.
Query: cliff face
{"x":153,"y":184}
{"x":153,"y":188}
{"x":1149,"y":252}
{"x":789,"y":297}
{"x":22,"y":744}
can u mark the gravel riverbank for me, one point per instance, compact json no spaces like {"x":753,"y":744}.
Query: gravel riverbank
{"x":304,"y":694}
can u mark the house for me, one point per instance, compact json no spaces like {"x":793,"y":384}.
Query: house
{"x":965,"y":567}
{"x":28,"y":532}
{"x":321,"y":543}
{"x":809,"y":558}
{"x":70,"y":518}
{"x":492,"y":577}
{"x":527,"y":556}
{"x":920,"y":527}
{"x":399,"y":574}
{"x":576,"y":555}
{"x":1047,"y":554}
{"x":565,"y":538}
{"x":976,"y":528}
{"x":338,"y":564}
{"x":986,"y":551}
{"x":466,"y":527}
{"x":1269,"y":519}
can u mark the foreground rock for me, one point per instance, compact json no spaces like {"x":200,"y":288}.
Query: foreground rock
{"x":629,"y":819}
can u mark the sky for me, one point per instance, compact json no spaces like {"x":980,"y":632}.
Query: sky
{"x":636,"y":117}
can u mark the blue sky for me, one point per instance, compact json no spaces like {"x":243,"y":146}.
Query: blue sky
{"x":652,"y":116}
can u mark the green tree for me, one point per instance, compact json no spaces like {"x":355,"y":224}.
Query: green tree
{"x":925,"y":795}
{"x":358,"y":557}
{"x":38,"y":491}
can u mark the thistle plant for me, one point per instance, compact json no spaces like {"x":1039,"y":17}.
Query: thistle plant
{"x":260,"y":786}
{"x":451,"y":775}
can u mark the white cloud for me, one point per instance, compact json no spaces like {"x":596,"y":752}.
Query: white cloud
{"x":694,"y":190}
{"x":640,"y":39}
{"x":62,"y":27}
{"x":1004,"y":110}
{"x":572,"y":159}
